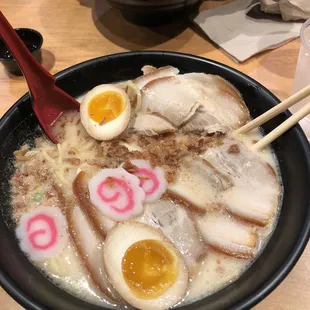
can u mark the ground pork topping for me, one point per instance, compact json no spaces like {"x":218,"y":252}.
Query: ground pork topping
{"x":166,"y":151}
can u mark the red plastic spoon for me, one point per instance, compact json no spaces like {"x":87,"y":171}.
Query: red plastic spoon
{"x":48,"y":100}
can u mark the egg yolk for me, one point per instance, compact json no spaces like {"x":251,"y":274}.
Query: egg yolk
{"x":149,"y":268}
{"x":106,"y":107}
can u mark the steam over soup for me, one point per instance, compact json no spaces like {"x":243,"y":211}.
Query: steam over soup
{"x":149,"y":199}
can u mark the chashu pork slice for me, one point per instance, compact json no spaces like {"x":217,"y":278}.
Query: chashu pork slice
{"x":226,"y":234}
{"x":219,"y":99}
{"x":204,"y":123}
{"x":88,"y":243}
{"x":256,"y":191}
{"x":171,"y":97}
{"x":203,"y":103}
{"x":90,"y":246}
{"x":148,"y":69}
{"x":151,"y":73}
{"x":199,"y":184}
{"x":151,"y":124}
{"x":81,"y":192}
{"x":175,"y":223}
{"x":133,"y":93}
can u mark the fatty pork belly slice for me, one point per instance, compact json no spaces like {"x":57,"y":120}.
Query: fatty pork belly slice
{"x":90,"y":246}
{"x":151,"y":124}
{"x":176,"y":225}
{"x":223,"y":232}
{"x":199,"y":184}
{"x":170,"y":97}
{"x":148,"y":69}
{"x":151,"y":73}
{"x":81,"y":192}
{"x":255,"y":194}
{"x":222,"y":103}
{"x":202,"y":122}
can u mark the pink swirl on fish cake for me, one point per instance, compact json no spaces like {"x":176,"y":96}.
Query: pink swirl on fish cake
{"x":152,"y":180}
{"x":116,"y":194}
{"x":42,"y":233}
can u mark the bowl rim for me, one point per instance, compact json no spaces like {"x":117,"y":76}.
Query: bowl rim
{"x":283,"y":270}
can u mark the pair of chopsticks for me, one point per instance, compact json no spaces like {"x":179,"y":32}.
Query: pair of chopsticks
{"x":290,"y":122}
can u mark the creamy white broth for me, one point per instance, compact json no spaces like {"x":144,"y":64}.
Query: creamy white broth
{"x":266,"y":154}
{"x":67,"y":271}
{"x":213,"y":270}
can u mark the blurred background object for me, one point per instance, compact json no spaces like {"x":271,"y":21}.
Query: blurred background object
{"x":270,"y":6}
{"x":155,"y":12}
{"x":302,"y":75}
{"x":289,"y":9}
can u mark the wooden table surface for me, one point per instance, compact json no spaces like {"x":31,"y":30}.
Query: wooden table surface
{"x":78,"y":30}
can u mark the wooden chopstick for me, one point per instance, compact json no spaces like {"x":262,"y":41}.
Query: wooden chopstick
{"x":275,"y":111}
{"x":294,"y":119}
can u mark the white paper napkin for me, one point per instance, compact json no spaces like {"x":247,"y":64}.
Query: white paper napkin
{"x":243,"y":30}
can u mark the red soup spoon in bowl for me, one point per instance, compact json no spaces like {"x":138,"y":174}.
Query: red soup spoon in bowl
{"x":48,"y":100}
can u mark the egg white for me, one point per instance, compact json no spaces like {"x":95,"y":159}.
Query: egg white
{"x":112,"y":129}
{"x":119,"y":239}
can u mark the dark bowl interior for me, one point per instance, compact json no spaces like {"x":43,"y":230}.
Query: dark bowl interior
{"x":29,"y":287}
{"x":31,"y":38}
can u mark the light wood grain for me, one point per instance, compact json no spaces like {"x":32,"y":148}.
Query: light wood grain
{"x":77,"y":30}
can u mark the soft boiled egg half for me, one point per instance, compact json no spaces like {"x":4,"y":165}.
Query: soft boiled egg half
{"x":105,"y":112}
{"x":144,"y":267}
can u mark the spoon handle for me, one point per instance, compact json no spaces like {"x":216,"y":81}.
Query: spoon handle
{"x":37,"y":77}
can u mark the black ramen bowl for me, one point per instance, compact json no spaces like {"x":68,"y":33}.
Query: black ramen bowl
{"x":33,"y":290}
{"x":155,"y":12}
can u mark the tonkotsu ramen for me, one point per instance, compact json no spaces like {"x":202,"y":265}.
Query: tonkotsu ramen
{"x":149,"y":199}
